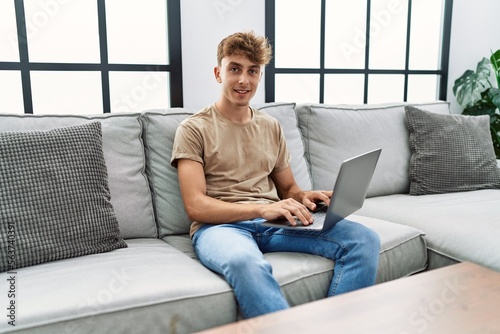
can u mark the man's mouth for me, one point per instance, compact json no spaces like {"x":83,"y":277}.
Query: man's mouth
{"x":241,"y":91}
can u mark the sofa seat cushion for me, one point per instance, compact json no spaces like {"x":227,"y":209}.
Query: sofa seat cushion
{"x":403,"y":252}
{"x":148,"y":287}
{"x":303,"y":277}
{"x":459,"y":226}
{"x":125,"y":162}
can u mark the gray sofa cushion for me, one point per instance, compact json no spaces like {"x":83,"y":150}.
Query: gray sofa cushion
{"x":285,"y":114}
{"x":302,"y":277}
{"x":402,"y":253}
{"x":460,"y":226}
{"x":335,"y":133}
{"x":450,"y":153}
{"x":149,"y":287}
{"x":124,"y":155}
{"x":159,"y":132}
{"x":403,"y":248}
{"x":54,"y":196}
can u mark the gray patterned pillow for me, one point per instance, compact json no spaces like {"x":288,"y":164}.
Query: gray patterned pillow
{"x":54,"y":196}
{"x":450,"y":153}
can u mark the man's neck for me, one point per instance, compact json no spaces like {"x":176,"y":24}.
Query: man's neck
{"x":235,"y":113}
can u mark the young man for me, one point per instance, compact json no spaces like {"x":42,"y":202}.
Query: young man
{"x":234,"y":173}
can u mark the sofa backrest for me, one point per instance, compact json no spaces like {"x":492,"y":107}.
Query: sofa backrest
{"x":145,"y":189}
{"x":125,"y":162}
{"x":158,"y":137}
{"x":285,"y":114}
{"x":333,"y":133}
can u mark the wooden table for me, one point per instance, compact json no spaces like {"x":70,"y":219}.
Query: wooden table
{"x":462,"y":298}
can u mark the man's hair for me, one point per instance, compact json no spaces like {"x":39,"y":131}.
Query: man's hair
{"x":256,"y":48}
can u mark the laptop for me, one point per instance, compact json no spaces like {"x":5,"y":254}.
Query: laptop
{"x":349,"y":194}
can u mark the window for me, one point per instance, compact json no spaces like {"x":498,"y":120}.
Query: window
{"x":358,"y":51}
{"x":89,"y":57}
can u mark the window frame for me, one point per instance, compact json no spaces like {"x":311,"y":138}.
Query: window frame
{"x":442,"y":73}
{"x":174,"y":68}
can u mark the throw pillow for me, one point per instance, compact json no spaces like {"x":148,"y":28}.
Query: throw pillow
{"x":54,"y":196}
{"x":450,"y":153}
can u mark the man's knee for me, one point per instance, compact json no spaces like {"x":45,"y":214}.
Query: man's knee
{"x":372,"y":239}
{"x":247,"y":263}
{"x":371,"y":244}
{"x":367,"y":239}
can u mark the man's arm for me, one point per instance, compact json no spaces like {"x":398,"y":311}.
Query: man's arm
{"x":202,"y":208}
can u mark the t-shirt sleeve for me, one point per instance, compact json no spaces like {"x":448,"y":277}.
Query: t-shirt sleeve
{"x":188,"y":144}
{"x":284,"y":156}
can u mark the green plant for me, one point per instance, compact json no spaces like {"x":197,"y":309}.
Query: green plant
{"x":478,"y":96}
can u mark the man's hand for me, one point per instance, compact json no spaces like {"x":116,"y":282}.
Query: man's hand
{"x":310,"y":198}
{"x":288,"y":208}
{"x":296,"y":202}
{"x":292,"y":209}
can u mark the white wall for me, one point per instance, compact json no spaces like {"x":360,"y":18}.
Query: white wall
{"x":204,"y":24}
{"x":474,"y":32}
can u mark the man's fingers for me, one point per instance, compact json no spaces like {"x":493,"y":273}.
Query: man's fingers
{"x":298,"y":211}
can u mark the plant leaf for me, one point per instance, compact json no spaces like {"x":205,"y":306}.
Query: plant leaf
{"x":479,"y":109}
{"x":470,"y":85}
{"x":495,"y":131}
{"x":496,"y":101}
{"x":483,"y":68}
{"x":495,"y":62}
{"x":492,"y":96}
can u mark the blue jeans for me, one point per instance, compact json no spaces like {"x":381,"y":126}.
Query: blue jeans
{"x":236,"y":252}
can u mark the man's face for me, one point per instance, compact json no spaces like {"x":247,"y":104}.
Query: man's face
{"x":240,"y":79}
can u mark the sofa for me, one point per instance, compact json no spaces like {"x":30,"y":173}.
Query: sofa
{"x":149,"y":280}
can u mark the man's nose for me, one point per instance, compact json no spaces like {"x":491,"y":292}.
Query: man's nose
{"x":243,"y":79}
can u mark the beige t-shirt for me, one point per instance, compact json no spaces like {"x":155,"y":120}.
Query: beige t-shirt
{"x":237,"y":158}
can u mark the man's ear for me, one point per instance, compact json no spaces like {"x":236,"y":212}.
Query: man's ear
{"x":217,"y":74}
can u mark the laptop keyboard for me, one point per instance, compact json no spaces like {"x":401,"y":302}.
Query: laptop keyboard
{"x":319,"y":214}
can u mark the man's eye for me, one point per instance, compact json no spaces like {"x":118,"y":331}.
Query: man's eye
{"x":253,"y":71}
{"x":233,"y":69}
